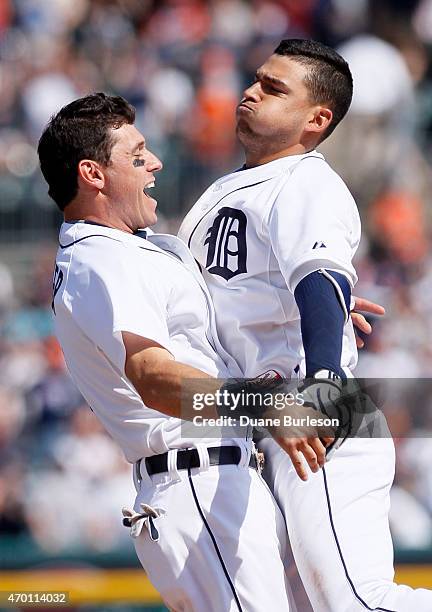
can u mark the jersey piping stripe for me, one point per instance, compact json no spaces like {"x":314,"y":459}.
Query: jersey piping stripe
{"x":213,"y":539}
{"x":169,"y":254}
{"x":166,"y":254}
{"x":238,"y":189}
{"x":65,"y":246}
{"x":357,"y":596}
{"x":219,"y":201}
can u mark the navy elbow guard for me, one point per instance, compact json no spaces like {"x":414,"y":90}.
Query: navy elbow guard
{"x":323,"y":299}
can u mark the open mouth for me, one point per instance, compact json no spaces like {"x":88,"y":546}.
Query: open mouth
{"x":147,"y":188}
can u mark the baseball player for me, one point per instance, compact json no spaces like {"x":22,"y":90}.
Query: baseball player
{"x":275,"y":243}
{"x":133,"y":317}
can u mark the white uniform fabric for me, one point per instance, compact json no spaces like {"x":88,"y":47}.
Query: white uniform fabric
{"x":114,"y":282}
{"x":105,"y":282}
{"x":338,"y":527}
{"x":241,"y":515}
{"x":256,"y":233}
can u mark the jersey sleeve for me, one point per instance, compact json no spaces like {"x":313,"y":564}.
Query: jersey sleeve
{"x":314,"y":224}
{"x":110,"y":296}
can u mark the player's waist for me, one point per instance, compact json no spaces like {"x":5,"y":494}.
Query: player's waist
{"x":190,"y":458}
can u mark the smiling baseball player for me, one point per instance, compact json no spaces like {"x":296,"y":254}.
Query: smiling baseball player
{"x":275,"y":242}
{"x":134,"y":319}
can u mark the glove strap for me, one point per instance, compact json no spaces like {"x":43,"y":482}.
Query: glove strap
{"x":330,"y":377}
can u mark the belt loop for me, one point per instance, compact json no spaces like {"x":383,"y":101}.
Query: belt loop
{"x":140,"y":473}
{"x":203,"y":456}
{"x":172,"y":465}
{"x":245,"y":456}
{"x":136,"y":474}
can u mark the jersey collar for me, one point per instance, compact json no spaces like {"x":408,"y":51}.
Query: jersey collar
{"x":71,"y":231}
{"x":264,"y":172}
{"x":76,"y":231}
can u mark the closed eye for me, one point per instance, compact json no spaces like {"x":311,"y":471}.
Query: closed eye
{"x":269,"y":87}
{"x":271,"y":84}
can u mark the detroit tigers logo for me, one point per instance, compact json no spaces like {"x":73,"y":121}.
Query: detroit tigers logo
{"x":226,"y":239}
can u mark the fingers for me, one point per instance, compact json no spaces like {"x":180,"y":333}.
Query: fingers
{"x":368,"y":306}
{"x":319,"y":449}
{"x":290,"y":446}
{"x":327,"y":441}
{"x":311,"y":455}
{"x":359,"y":342}
{"x":310,"y":449}
{"x":298,"y":464}
{"x":360,"y":322}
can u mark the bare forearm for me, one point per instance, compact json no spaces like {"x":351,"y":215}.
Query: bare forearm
{"x":163,"y":383}
{"x":167,"y":385}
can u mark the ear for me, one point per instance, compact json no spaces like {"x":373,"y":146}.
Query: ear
{"x":91,"y":174}
{"x":320,"y":120}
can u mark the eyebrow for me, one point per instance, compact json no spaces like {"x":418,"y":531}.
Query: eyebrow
{"x":138,"y":146}
{"x":262,"y":76}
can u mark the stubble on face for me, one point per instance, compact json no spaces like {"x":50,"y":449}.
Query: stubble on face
{"x":273,"y":112}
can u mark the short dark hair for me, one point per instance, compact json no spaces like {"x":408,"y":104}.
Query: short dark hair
{"x":329,"y":78}
{"x":80,"y":130}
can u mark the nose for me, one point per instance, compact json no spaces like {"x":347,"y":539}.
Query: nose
{"x":154,"y":164}
{"x":252,"y":93}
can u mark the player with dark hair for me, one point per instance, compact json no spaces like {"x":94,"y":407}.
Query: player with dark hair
{"x":82,"y":129}
{"x":134,"y":319}
{"x":328,"y":77}
{"x":275,"y":243}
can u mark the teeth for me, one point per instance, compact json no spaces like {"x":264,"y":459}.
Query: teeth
{"x":149,"y":186}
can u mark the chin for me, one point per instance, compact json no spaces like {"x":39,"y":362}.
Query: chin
{"x":242,"y":126}
{"x":152,"y":221}
{"x":244,"y":134}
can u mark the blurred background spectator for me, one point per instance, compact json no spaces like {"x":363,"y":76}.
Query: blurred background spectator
{"x":184,"y":64}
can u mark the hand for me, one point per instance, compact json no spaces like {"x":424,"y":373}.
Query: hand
{"x":313,"y":451}
{"x":304,"y":442}
{"x":359,"y":320}
{"x":304,"y":438}
{"x":322,"y":395}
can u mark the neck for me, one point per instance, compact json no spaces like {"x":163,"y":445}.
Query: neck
{"x":256,"y":157}
{"x":94,"y":212}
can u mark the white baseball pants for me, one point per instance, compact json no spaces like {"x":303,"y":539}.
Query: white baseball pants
{"x":338,"y":528}
{"x":221,"y":540}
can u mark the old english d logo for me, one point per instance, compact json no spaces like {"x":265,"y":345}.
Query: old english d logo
{"x":226,"y":239}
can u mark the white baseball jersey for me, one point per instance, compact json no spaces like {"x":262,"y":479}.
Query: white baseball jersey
{"x":107,"y":281}
{"x":256,"y":233}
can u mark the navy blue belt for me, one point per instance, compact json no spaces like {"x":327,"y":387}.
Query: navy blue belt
{"x":189,"y":458}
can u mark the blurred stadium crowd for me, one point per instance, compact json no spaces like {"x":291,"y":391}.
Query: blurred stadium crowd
{"x":183,"y":64}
